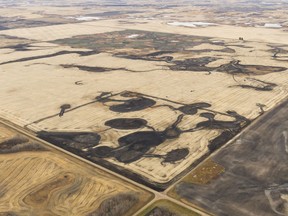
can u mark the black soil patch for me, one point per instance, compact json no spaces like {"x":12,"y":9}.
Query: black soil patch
{"x":126,"y":123}
{"x":258,"y":85}
{"x":257,"y":88}
{"x":81,"y":53}
{"x":192,"y":109}
{"x":71,"y":140}
{"x":145,"y":138}
{"x":176,"y":155}
{"x":20,"y":47}
{"x":216,"y":143}
{"x":154,"y":56}
{"x":234,"y":67}
{"x":159,"y":53}
{"x":134,"y":104}
{"x":91,"y":69}
{"x":193,"y":64}
{"x":63,"y":108}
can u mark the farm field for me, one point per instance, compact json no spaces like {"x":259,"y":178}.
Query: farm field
{"x":134,"y":101}
{"x":253,"y":167}
{"x":103,"y":87}
{"x":35,"y":178}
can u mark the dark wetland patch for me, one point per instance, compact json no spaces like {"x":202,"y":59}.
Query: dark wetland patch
{"x":132,"y":105}
{"x":279,"y":53}
{"x":176,"y":155}
{"x":63,"y":108}
{"x":193,"y":64}
{"x":91,"y":69}
{"x":16,"y":22}
{"x":217,"y":142}
{"x":257,"y":88}
{"x":126,"y":123}
{"x":20,"y":47}
{"x":144,"y":57}
{"x":234,"y":67}
{"x":15,"y":43}
{"x":192,"y":109}
{"x":95,"y":69}
{"x":256,"y":84}
{"x":81,"y":53}
{"x":71,"y":140}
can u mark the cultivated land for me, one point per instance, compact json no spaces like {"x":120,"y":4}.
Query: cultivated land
{"x":253,"y":167}
{"x":149,"y":91}
{"x":37,"y":179}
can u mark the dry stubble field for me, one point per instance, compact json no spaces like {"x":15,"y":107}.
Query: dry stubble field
{"x":141,"y":93}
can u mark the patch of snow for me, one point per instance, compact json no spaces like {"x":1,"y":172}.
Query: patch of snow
{"x":191,"y":24}
{"x":217,"y":41}
{"x":133,"y":36}
{"x":272,"y":25}
{"x":84,"y":18}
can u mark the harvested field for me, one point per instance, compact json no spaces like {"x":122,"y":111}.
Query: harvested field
{"x":248,"y":176}
{"x":100,"y":97}
{"x":34,"y":178}
{"x":148,"y":94}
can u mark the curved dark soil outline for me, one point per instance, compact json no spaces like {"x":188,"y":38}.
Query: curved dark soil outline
{"x":259,"y":85}
{"x":23,"y":47}
{"x":65,"y":52}
{"x":234,"y":67}
{"x":96,"y":69}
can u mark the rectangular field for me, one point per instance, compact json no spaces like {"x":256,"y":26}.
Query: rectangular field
{"x":149,"y":105}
